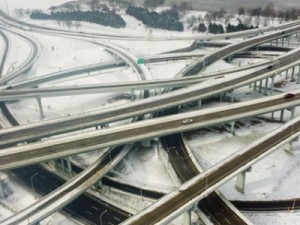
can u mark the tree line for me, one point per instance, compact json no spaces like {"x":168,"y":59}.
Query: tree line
{"x":168,"y":19}
{"x":109,"y":18}
{"x":219,"y":29}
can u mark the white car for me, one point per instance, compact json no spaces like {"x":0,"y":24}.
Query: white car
{"x":187,"y":121}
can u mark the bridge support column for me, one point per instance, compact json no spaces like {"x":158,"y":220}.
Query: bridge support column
{"x":288,"y":147}
{"x":260,"y":86}
{"x":62,"y":165}
{"x":221,"y":97}
{"x":287,"y":74}
{"x":281,"y":115}
{"x":187,"y":217}
{"x":288,"y":40}
{"x":199,"y":104}
{"x":293,"y":74}
{"x":292,"y":110}
{"x":241,"y":181}
{"x":266,"y":86}
{"x":272,"y":84}
{"x":132,"y":95}
{"x":2,"y":189}
{"x":232,"y":95}
{"x":277,"y":42}
{"x":232,"y":123}
{"x":298,"y":77}
{"x":255,"y":86}
{"x":39,"y":102}
{"x":282,"y":42}
{"x":146,"y":143}
{"x":69,"y":165}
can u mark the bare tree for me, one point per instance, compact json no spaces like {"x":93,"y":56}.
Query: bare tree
{"x":241,"y":11}
{"x":94,"y":4}
{"x":269,"y":10}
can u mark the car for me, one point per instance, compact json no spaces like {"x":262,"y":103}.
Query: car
{"x":288,"y":95}
{"x":269,"y":67}
{"x":187,"y":121}
{"x":282,"y":32}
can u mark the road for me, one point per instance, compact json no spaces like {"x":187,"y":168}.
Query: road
{"x":165,"y":209}
{"x":137,"y":131}
{"x":57,"y":126}
{"x":86,"y":208}
{"x":4,"y":55}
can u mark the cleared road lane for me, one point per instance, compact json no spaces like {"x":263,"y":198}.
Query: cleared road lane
{"x":61,"y":147}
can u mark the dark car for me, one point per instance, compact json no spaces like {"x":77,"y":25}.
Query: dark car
{"x":282,"y":32}
{"x":269,"y":67}
{"x":288,"y":95}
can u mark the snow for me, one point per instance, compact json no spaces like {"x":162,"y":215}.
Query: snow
{"x":275,"y":177}
{"x":18,"y":51}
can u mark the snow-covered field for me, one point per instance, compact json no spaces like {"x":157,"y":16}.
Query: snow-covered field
{"x":275,"y":177}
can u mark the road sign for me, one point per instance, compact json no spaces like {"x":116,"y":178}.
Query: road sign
{"x":140,"y":60}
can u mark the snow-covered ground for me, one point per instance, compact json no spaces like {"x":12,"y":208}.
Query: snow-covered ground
{"x":275,"y":177}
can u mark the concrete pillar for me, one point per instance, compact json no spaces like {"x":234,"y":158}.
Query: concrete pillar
{"x":293,"y":73}
{"x":221,"y":97}
{"x":39,"y":102}
{"x":232,"y":95}
{"x":187,"y":218}
{"x":272,"y":115}
{"x":298,"y":77}
{"x":288,"y":147}
{"x":292,"y":110}
{"x":260,"y":86}
{"x":199,"y":104}
{"x":255,"y":86}
{"x":272,"y":84}
{"x":241,"y":181}
{"x":232,"y":123}
{"x":62,"y":164}
{"x":146,"y":143}
{"x":277,"y":42}
{"x":288,"y":39}
{"x":266,"y":86}
{"x":281,"y":115}
{"x":132,"y":95}
{"x":282,"y":41}
{"x":287,"y":74}
{"x":2,"y":189}
{"x":69,"y":165}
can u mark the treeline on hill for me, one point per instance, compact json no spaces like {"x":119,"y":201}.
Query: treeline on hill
{"x":219,"y":29}
{"x":109,"y":18}
{"x":168,"y":19}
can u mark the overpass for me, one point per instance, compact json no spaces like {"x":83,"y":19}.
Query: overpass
{"x":51,"y":149}
{"x":63,"y":195}
{"x":175,"y":203}
{"x":47,"y":128}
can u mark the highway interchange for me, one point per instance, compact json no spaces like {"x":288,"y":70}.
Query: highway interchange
{"x":154,"y":127}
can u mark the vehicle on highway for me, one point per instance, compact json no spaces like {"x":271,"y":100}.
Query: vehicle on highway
{"x":271,"y":66}
{"x":187,"y":121}
{"x":282,"y":32}
{"x":289,"y":95}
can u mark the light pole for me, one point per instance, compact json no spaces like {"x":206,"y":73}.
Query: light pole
{"x":102,"y":215}
{"x":31,"y":179}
